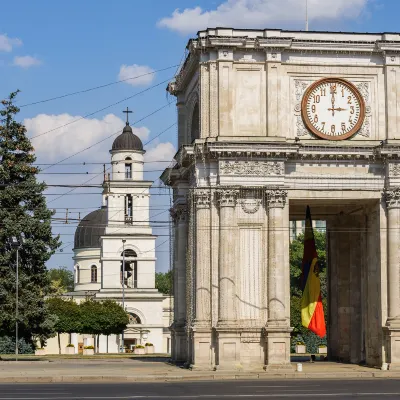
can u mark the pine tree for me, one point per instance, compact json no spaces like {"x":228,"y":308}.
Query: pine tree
{"x":23,"y":209}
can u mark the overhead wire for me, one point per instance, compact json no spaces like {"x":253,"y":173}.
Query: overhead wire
{"x":96,"y":87}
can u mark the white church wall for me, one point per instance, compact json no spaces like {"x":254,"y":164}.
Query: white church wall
{"x":84,"y":259}
{"x":118,"y":161}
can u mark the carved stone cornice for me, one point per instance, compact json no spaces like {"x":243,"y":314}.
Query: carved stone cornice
{"x":394,"y":169}
{"x":252,"y":168}
{"x":392,"y":197}
{"x":173,"y":214}
{"x":227,"y":197}
{"x":276,"y":198}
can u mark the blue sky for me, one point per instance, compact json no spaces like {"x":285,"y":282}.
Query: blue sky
{"x":50,"y":48}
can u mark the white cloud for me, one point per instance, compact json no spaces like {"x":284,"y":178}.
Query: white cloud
{"x":26,"y":61}
{"x":7,"y":44}
{"x":261,"y":14}
{"x":144,"y":73}
{"x":63,"y":142}
{"x":161,"y":152}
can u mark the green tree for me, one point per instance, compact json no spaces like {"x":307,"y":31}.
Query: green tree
{"x":61,"y":280}
{"x":22,"y":210}
{"x":67,"y":316}
{"x":296,"y":257}
{"x":114,"y":319}
{"x":164,"y":282}
{"x":92,"y":321}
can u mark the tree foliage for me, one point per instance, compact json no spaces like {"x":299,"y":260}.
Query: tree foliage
{"x":61,"y":280}
{"x":164,"y":282}
{"x":22,"y":210}
{"x":301,"y":333}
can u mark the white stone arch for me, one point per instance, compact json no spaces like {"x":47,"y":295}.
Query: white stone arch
{"x":138,"y":313}
{"x":193,"y":103}
{"x":129,"y":247}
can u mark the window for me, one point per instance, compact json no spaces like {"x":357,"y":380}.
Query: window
{"x":93,"y":273}
{"x":128,"y":168}
{"x":131,"y":270}
{"x":78,"y":274}
{"x":128,"y":209}
{"x":134,"y":319}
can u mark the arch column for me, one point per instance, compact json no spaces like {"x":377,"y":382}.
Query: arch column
{"x":392,"y":197}
{"x":278,"y":325}
{"x":179,"y":337}
{"x":201,"y":353}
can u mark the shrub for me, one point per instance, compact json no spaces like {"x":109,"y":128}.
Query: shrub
{"x":149,"y":344}
{"x":70,"y":345}
{"x":89,"y":347}
{"x":7,"y":346}
{"x":139,"y":346}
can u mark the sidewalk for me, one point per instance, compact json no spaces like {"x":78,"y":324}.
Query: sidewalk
{"x":158,"y":370}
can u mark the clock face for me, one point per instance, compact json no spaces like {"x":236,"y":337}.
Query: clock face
{"x":333,"y":109}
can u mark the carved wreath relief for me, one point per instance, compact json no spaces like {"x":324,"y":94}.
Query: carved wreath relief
{"x":251,"y":168}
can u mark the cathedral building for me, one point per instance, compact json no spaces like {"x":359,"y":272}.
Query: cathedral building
{"x":114,"y":255}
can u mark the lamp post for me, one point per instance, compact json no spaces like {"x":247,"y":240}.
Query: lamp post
{"x":123,"y":285}
{"x":16,"y":244}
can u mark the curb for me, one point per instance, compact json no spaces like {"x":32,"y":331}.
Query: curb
{"x":203,"y":377}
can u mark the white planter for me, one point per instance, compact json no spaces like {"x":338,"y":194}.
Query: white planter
{"x":40,"y":352}
{"x":140,"y":351}
{"x":300,"y":349}
{"x":149,"y":349}
{"x":322,"y":350}
{"x":70,"y":350}
{"x":88,"y":352}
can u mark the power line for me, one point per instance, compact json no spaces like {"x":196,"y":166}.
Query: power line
{"x":97,"y":111}
{"x":96,"y":87}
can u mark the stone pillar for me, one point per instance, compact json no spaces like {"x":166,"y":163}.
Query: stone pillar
{"x":392,"y":197}
{"x":278,"y":325}
{"x":227,"y":280}
{"x":228,"y":334}
{"x":179,"y":345}
{"x":202,"y":324}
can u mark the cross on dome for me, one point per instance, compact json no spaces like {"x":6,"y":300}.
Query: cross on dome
{"x":127,"y":112}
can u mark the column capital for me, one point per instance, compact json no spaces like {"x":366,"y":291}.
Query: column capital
{"x":181,"y":213}
{"x":392,"y":197}
{"x":227,"y":197}
{"x":202,"y":198}
{"x":276,"y":198}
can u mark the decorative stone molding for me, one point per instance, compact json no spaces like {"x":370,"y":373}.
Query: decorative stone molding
{"x":276,"y":198}
{"x":364,"y":89}
{"x":392,"y":197}
{"x":202,"y":198}
{"x":394,"y":169}
{"x":251,"y":201}
{"x":227,"y":197}
{"x":252,"y":168}
{"x":213,"y":100}
{"x":300,"y":87}
{"x":181,"y":213}
{"x":174,"y":215}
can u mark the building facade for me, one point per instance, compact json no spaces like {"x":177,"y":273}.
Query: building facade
{"x":114,"y":255}
{"x":271,"y":121}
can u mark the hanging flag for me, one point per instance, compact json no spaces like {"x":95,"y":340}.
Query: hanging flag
{"x":312,"y":311}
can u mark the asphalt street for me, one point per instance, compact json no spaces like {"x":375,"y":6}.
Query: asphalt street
{"x":243,"y":389}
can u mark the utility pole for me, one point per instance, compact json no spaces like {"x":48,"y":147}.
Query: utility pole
{"x":15,"y":243}
{"x":123,"y":287}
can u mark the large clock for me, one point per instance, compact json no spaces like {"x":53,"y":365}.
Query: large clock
{"x":333,"y":109}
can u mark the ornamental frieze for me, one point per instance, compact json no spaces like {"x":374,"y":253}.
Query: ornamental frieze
{"x":392,"y":197}
{"x":276,"y":198}
{"x":252,"y":168}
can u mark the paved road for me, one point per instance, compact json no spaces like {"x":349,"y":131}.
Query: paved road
{"x":346,"y":389}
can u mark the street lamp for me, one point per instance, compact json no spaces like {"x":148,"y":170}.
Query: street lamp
{"x":15,"y":243}
{"x":123,"y":285}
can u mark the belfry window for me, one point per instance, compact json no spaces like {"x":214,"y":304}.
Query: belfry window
{"x":77,"y":274}
{"x":93,"y":274}
{"x":131,"y":269}
{"x":128,"y":168}
{"x":128,"y":208}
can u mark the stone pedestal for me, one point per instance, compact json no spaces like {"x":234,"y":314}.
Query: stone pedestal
{"x":202,"y":349}
{"x":228,"y":357}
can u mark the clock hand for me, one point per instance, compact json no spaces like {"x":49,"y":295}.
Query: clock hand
{"x":337,"y":109}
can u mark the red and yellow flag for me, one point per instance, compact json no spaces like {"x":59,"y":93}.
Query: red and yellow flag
{"x":312,"y":312}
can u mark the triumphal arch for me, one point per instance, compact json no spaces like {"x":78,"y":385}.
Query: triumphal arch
{"x":270,"y":121}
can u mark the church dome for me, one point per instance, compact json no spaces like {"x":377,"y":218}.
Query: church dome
{"x":90,"y":229}
{"x":127,"y":140}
